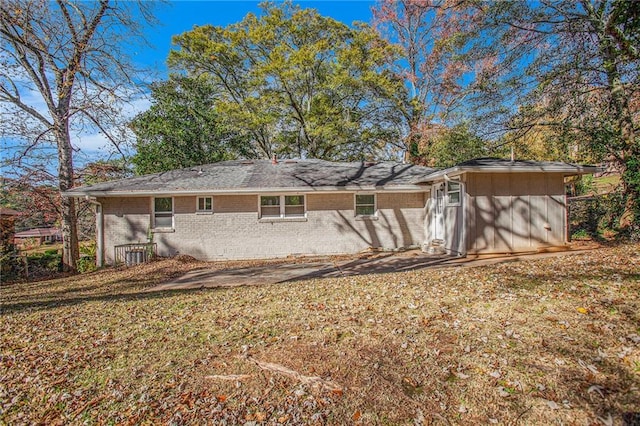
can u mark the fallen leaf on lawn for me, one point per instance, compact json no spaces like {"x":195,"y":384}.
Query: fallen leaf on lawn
{"x":356,"y":416}
{"x":502,"y":392}
{"x":608,"y":421}
{"x":596,"y":388}
{"x":589,"y":367}
{"x":553,"y":405}
{"x":582,"y":310}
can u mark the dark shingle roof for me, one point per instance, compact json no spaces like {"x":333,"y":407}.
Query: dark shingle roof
{"x":491,"y":162}
{"x":306,"y":175}
{"x":500,"y":165}
{"x":261,"y":175}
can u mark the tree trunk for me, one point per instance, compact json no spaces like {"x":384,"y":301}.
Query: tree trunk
{"x":68,"y":222}
{"x":620,"y":111}
{"x":631,"y":186}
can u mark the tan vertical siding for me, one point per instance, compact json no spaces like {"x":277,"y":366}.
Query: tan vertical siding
{"x":515,"y":211}
{"x":520,"y":212}
{"x":483,"y":239}
{"x":556,"y":211}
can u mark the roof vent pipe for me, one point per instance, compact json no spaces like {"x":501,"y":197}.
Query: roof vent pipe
{"x":274,"y":160}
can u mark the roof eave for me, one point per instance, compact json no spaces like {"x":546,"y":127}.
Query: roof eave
{"x":244,"y":191}
{"x":454,"y":171}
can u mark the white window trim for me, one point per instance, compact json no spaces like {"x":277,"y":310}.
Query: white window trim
{"x":459,"y":191}
{"x":282,"y":217}
{"x":375,"y":206}
{"x":153,"y":214}
{"x":198,"y":211}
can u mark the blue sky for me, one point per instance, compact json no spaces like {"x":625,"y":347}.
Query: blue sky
{"x":180,"y":16}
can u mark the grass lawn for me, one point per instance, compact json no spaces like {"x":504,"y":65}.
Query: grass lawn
{"x":549,"y":341}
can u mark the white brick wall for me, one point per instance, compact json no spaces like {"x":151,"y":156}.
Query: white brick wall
{"x":234,"y":231}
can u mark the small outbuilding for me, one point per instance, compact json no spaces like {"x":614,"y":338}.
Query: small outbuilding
{"x":491,"y":205}
{"x":250,"y":209}
{"x":37,"y":236}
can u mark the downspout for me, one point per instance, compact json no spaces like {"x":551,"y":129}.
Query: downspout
{"x":99,"y":231}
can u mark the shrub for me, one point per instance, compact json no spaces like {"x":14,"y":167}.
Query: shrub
{"x":87,"y":261}
{"x":593,"y":215}
{"x":580,"y":234}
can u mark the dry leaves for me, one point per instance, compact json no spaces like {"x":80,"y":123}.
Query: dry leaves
{"x":554,"y":340}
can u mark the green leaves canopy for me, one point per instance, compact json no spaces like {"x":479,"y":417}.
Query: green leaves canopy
{"x":296,"y":83}
{"x":182,"y":128}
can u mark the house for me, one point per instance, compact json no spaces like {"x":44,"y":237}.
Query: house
{"x":262,"y":209}
{"x":38,"y":236}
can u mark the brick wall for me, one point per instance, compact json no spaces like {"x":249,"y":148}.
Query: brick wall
{"x":126,"y":220}
{"x":234,"y":230}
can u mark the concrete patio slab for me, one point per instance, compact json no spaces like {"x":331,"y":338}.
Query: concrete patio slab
{"x":271,"y":273}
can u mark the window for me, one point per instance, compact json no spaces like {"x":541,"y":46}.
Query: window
{"x":453,"y":192}
{"x":294,"y":206}
{"x":272,"y":206}
{"x":163,"y":212}
{"x":205,"y":204}
{"x":365,"y":204}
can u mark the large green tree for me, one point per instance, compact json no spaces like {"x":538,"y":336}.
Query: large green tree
{"x":296,"y":83}
{"x":183,"y":129}
{"x":572,"y":67}
{"x":452,"y":146}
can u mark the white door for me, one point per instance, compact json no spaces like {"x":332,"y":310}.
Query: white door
{"x":438,"y":211}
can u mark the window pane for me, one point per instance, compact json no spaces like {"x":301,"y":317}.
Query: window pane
{"x":163,"y":204}
{"x":164,"y":221}
{"x":368,"y":199}
{"x":294,"y":200}
{"x":204,"y":203}
{"x":453,"y":186}
{"x":454,"y":197}
{"x":270,"y":201}
{"x":365,"y":210}
{"x":294,"y":211}
{"x":365,"y":204}
{"x":271,"y":211}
